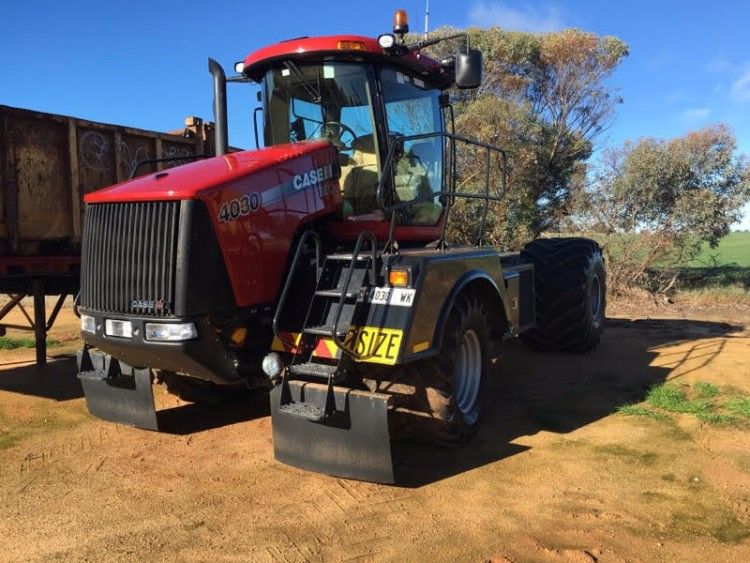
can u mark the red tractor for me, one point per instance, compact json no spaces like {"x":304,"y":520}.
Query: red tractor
{"x":318,"y":266}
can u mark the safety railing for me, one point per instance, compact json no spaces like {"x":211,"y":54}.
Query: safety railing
{"x":306,"y":236}
{"x":448,"y":192}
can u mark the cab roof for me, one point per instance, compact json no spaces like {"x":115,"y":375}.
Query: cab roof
{"x":356,"y":48}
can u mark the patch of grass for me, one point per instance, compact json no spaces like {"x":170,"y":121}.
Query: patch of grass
{"x":11,"y":343}
{"x":638,"y":410}
{"x":706,"y":390}
{"x":739,"y":406}
{"x":733,"y":249}
{"x":703,"y":401}
{"x":673,"y":431}
{"x":730,"y":530}
{"x":673,"y":398}
{"x":715,"y":521}
{"x":731,"y":295}
{"x":636,"y":456}
{"x":655,"y":496}
{"x":717,"y":418}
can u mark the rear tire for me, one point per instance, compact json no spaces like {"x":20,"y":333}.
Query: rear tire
{"x":571,"y":294}
{"x":452,"y":384}
{"x":194,"y":390}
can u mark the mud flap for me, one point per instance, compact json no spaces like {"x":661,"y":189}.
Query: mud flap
{"x":117,"y":392}
{"x":352,"y":442}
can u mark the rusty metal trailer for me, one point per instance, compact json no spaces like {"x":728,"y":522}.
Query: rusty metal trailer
{"x":48,"y":163}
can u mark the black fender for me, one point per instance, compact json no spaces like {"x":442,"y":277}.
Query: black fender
{"x":472,"y":277}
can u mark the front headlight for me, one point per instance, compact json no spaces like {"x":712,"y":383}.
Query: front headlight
{"x":170,"y":332}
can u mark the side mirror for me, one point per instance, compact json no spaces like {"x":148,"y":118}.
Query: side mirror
{"x":469,"y":69}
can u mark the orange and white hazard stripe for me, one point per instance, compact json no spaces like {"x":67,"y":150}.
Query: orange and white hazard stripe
{"x":324,"y":348}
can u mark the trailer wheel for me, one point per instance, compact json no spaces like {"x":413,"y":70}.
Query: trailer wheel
{"x":194,"y":390}
{"x":453,"y":382}
{"x":571,"y":294}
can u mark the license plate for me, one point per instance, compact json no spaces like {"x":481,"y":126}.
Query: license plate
{"x":373,"y":344}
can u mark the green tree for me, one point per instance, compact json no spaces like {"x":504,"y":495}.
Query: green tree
{"x":657,"y":201}
{"x":544,"y":98}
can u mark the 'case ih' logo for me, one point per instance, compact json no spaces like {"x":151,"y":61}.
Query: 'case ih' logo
{"x":312,"y":177}
{"x":160,"y":306}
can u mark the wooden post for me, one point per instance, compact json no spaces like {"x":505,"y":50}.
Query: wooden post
{"x":75,"y":185}
{"x":118,"y":157}
{"x":159,"y":152}
{"x":10,"y":178}
{"x":40,"y":323}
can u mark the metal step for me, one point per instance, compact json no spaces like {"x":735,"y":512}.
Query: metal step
{"x":321,"y":331}
{"x":347,"y":257}
{"x":335,"y":293}
{"x":314,"y":369}
{"x":303,"y":410}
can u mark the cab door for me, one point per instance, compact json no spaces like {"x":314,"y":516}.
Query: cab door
{"x":412,"y":108}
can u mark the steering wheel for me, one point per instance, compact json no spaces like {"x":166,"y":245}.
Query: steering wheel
{"x":335,"y":130}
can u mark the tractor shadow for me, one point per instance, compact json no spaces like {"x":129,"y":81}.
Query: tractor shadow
{"x":191,"y":418}
{"x":58,"y":381}
{"x":532,"y":392}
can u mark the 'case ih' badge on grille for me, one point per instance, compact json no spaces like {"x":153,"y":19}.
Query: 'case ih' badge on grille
{"x":145,"y":305}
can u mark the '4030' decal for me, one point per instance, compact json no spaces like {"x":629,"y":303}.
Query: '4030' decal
{"x":236,"y":208}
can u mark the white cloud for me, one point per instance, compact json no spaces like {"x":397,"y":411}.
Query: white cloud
{"x":719,"y":65}
{"x":675,"y":96}
{"x":737,"y":74}
{"x":695,"y":115}
{"x":525,"y":18}
{"x":741,"y":87}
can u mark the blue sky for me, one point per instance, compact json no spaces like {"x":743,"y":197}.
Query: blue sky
{"x":143,"y":64}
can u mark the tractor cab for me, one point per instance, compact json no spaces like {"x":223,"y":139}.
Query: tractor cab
{"x":380,"y":104}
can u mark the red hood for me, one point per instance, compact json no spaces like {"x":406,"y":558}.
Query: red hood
{"x":187,"y":181}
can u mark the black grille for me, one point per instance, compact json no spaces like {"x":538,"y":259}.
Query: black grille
{"x":129,"y":256}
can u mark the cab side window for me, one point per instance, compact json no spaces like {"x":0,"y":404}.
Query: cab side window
{"x":414,"y":109}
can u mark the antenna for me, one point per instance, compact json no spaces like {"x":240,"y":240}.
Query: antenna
{"x":427,"y":18}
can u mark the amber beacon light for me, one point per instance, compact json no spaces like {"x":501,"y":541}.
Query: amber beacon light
{"x":400,"y":23}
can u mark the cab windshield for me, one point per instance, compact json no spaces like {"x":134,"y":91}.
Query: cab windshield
{"x":329,"y":101}
{"x":333,"y":101}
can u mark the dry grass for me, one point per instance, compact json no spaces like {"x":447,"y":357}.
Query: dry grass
{"x":710,"y":296}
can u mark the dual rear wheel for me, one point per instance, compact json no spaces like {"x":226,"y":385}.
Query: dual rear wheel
{"x":570,"y":299}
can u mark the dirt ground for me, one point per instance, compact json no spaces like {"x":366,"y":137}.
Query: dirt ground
{"x":554,"y":474}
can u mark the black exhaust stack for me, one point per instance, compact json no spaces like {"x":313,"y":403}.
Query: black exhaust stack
{"x":220,"y":106}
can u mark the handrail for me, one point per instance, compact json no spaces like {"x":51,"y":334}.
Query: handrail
{"x":364,"y":235}
{"x":447,"y":194}
{"x":288,"y":283}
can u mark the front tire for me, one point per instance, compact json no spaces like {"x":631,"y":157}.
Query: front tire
{"x":571,"y":294}
{"x":453,"y":383}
